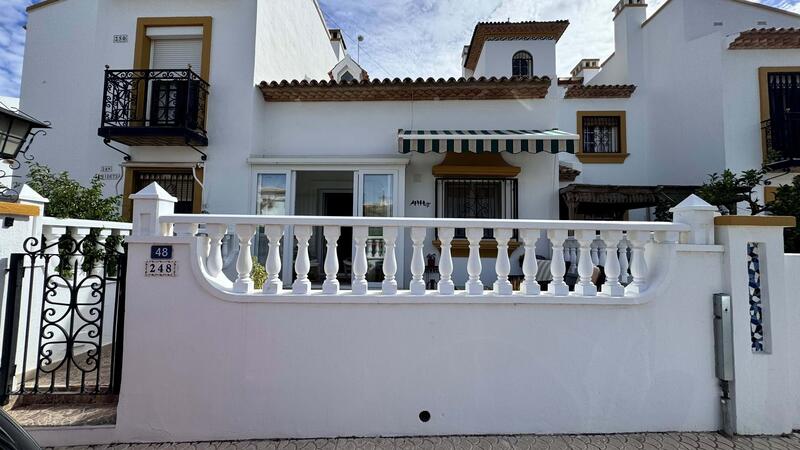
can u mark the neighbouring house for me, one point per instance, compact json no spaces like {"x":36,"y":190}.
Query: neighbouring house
{"x":256,"y":107}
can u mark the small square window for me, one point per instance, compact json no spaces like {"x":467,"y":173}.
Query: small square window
{"x":601,"y":134}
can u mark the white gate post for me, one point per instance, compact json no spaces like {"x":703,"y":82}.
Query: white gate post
{"x":148,"y":205}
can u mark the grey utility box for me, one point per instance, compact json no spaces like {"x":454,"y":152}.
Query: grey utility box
{"x":723,"y":336}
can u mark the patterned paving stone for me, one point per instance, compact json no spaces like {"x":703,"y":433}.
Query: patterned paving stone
{"x":653,"y":441}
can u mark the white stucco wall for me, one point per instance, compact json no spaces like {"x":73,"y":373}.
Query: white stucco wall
{"x":305,"y":370}
{"x":495,"y":59}
{"x":792,"y":271}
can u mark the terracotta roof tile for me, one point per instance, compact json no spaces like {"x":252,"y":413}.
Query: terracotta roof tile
{"x":406,"y":89}
{"x":767,"y":38}
{"x":500,"y":31}
{"x":600,"y":91}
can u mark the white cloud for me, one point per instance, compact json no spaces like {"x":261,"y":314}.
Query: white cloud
{"x":424,"y":38}
{"x":12,"y":45}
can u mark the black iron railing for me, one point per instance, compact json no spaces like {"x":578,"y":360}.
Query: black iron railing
{"x":782,"y":140}
{"x":155,"y":99}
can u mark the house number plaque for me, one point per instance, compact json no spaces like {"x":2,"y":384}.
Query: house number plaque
{"x":161,"y":252}
{"x":157,"y":268}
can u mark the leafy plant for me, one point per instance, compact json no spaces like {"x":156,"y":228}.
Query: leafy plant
{"x":729,"y":189}
{"x":787,"y":203}
{"x":258,"y":274}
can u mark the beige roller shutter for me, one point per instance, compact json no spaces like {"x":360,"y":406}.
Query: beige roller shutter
{"x":177,"y":54}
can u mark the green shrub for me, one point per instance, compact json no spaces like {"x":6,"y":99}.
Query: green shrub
{"x":259,"y":275}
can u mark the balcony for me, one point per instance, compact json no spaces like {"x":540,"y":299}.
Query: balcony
{"x":782,"y":140}
{"x":154,"y":108}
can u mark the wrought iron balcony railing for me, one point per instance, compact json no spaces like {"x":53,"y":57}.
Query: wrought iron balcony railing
{"x":782,"y":140}
{"x":154,"y":107}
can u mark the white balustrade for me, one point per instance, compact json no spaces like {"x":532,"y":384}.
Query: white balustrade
{"x":76,"y":259}
{"x":586,"y":252}
{"x":55,"y":229}
{"x":503,"y":266}
{"x":585,"y":286}
{"x":446,"y":285}
{"x":612,"y":286}
{"x":530,"y":265}
{"x":244,"y":262}
{"x":558,"y":267}
{"x":360,"y":266}
{"x":331,"y":284}
{"x":474,"y":268}
{"x":302,"y":264}
{"x":100,"y":246}
{"x":389,"y":285}
{"x":638,"y":264}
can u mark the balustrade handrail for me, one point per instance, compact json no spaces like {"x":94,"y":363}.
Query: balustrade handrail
{"x":82,"y":223}
{"x":420,"y":222}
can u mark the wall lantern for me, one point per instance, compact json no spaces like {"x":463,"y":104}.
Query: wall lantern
{"x":15,"y":128}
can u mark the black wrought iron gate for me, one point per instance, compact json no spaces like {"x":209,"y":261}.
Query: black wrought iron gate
{"x":63,"y":318}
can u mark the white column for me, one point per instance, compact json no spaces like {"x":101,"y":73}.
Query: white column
{"x":302,"y":264}
{"x":624,"y":265}
{"x":638,"y":264}
{"x":331,"y":284}
{"x":273,"y":285}
{"x":446,"y":286}
{"x":360,"y":285}
{"x":100,"y":246}
{"x":585,"y":267}
{"x":557,"y":266}
{"x":530,"y":266}
{"x":149,"y":205}
{"x":76,"y":259}
{"x":502,"y":265}
{"x":474,"y":284}
{"x":417,"y":285}
{"x":216,"y":232}
{"x":244,"y":262}
{"x":612,"y":287}
{"x":389,"y":285}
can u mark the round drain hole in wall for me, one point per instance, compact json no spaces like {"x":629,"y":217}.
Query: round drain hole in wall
{"x":424,"y":416}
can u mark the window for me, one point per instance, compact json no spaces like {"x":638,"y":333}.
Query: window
{"x":602,"y":135}
{"x":476,"y":198}
{"x":271,"y":194}
{"x":182,"y":183}
{"x":522,"y":64}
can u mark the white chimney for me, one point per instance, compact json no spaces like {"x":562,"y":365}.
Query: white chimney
{"x":337,"y":42}
{"x":586,"y":69}
{"x":629,"y":15}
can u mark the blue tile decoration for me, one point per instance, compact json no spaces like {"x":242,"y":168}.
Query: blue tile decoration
{"x":756,"y":305}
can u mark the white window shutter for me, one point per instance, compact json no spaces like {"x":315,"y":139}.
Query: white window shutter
{"x":177,"y":54}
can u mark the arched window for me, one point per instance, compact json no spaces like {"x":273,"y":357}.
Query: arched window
{"x":522,"y":64}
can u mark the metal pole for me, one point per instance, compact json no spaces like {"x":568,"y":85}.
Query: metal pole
{"x":11,"y":326}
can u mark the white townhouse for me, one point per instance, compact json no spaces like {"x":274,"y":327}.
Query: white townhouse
{"x":254,"y":106}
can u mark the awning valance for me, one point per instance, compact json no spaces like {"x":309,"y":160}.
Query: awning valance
{"x":486,"y":141}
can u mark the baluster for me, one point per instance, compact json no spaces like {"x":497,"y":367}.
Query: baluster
{"x":215,"y":231}
{"x":389,"y":285}
{"x":595,"y":254}
{"x":612,"y":285}
{"x":273,"y":285}
{"x":585,"y":267}
{"x":502,"y":265}
{"x":474,"y":284}
{"x":302,"y":264}
{"x":622,"y":247}
{"x":573,"y":256}
{"x":557,"y":266}
{"x":417,"y":285}
{"x":360,"y":285}
{"x":100,"y":246}
{"x":601,"y":253}
{"x":52,"y":235}
{"x":638,"y":264}
{"x":530,"y":266}
{"x":244,"y":262}
{"x":76,"y":259}
{"x":331,"y":284}
{"x":446,"y":286}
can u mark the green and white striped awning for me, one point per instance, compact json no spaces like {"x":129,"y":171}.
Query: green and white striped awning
{"x":486,"y":141}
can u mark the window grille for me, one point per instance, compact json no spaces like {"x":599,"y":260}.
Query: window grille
{"x":476,"y":198}
{"x":601,"y":134}
{"x":179,"y":185}
{"x":522,"y":64}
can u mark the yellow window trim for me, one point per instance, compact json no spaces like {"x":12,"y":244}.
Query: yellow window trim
{"x":763,"y":90}
{"x":475,"y":165}
{"x":144,"y":43}
{"x":604,"y":158}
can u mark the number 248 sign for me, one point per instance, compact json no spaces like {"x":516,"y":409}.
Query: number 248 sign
{"x":160,"y":268}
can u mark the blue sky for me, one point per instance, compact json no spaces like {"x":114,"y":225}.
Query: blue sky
{"x":407,"y":38}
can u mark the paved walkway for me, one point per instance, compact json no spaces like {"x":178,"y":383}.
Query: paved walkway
{"x":654,"y":441}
